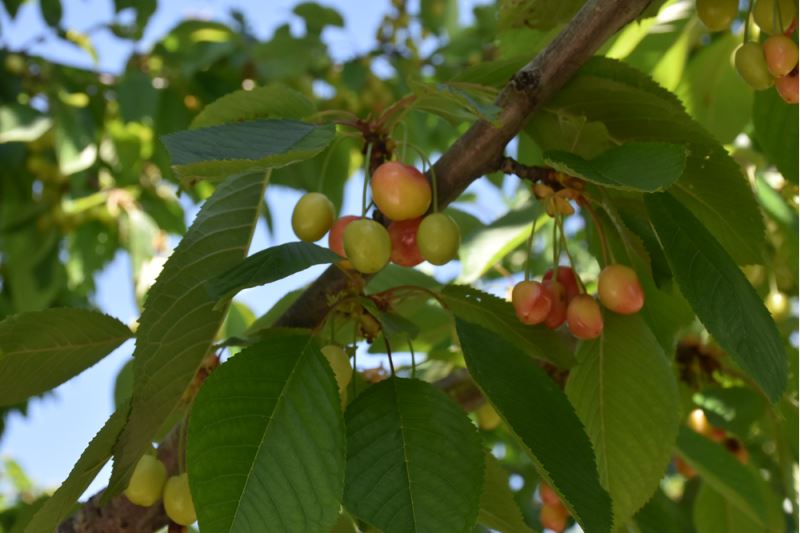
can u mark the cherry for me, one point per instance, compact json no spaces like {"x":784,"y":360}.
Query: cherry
{"x":778,"y":304}
{"x":717,"y":15}
{"x":781,"y":55}
{"x":340,"y":363}
{"x":558,"y":311}
{"x":548,"y":495}
{"x":400,"y":191}
{"x":684,"y":469}
{"x":765,"y":14}
{"x":178,"y":500}
{"x":531,"y":302}
{"x":584,"y":318}
{"x":752,"y":66}
{"x":147,"y":481}
{"x":404,"y":242}
{"x":367,"y":245}
{"x":699,"y":423}
{"x":619,"y":290}
{"x":787,"y":87}
{"x":553,"y":517}
{"x":438,"y":238}
{"x":488,"y":419}
{"x":336,"y":237}
{"x":567,"y":278}
{"x":312,"y":217}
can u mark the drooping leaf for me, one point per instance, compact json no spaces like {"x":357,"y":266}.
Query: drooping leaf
{"x":537,"y":14}
{"x":414,"y":460}
{"x":269,"y":265}
{"x":42,"y":349}
{"x":498,"y":510}
{"x":720,"y":469}
{"x":51,"y":11}
{"x":625,"y":393}
{"x":271,"y":101}
{"x":317,"y":17}
{"x":455,"y":102}
{"x":266,"y":320}
{"x":636,"y":166}
{"x":73,"y":136}
{"x":662,"y":515}
{"x":713,"y":513}
{"x":180,"y":319}
{"x":634,"y":109}
{"x":19,"y":123}
{"x":720,"y":294}
{"x":497,"y":315}
{"x":776,"y":131}
{"x":93,"y":458}
{"x":251,"y":146}
{"x":539,"y":413}
{"x":266,"y":441}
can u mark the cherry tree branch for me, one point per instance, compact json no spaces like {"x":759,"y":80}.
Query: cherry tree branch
{"x":477,"y":152}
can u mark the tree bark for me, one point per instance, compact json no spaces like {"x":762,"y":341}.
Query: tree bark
{"x":474,"y":154}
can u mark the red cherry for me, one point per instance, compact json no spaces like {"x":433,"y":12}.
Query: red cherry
{"x":584,"y":318}
{"x":558,"y":310}
{"x":531,"y":302}
{"x":787,"y":87}
{"x":404,"y":242}
{"x":400,"y":191}
{"x":548,"y":495}
{"x":619,"y":290}
{"x":336,"y":237}
{"x":567,"y":278}
{"x":553,"y":517}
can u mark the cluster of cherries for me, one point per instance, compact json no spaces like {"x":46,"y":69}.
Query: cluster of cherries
{"x":699,"y":423}
{"x":761,"y":65}
{"x":403,"y":195}
{"x":559,"y":298}
{"x":552,"y":515}
{"x":149,"y":484}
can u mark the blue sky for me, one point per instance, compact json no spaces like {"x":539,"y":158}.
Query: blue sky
{"x":52,"y":437}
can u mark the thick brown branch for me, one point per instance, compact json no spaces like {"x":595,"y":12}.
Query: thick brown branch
{"x":474,"y":154}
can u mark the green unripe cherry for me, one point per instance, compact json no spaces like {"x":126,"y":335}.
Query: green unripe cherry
{"x":178,"y":500}
{"x":438,"y":238}
{"x":147,"y":482}
{"x":367,"y":245}
{"x":340,"y":363}
{"x":717,"y":15}
{"x":312,"y":217}
{"x":774,"y":16}
{"x":752,"y":66}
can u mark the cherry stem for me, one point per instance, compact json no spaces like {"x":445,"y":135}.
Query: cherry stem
{"x":426,"y":161}
{"x":598,"y":227}
{"x":529,"y":249}
{"x":399,"y":105}
{"x":556,"y":244}
{"x":414,"y":288}
{"x":747,"y":20}
{"x":565,"y":245}
{"x":389,"y":353}
{"x":183,"y":438}
{"x":367,"y":176}
{"x":327,"y":161}
{"x":355,"y":355}
{"x":413,"y":359}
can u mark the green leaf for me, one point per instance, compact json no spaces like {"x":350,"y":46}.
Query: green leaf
{"x":536,"y":14}
{"x":42,"y":349}
{"x":714,"y":93}
{"x":713,"y":513}
{"x":636,"y":166}
{"x":538,"y":412}
{"x":635,"y":109}
{"x":180,"y":319}
{"x":720,"y":294}
{"x":498,"y":315}
{"x":484,"y":248}
{"x":269,"y":318}
{"x":269,"y":265}
{"x":266,"y":441}
{"x":414,"y":460}
{"x":625,"y":393}
{"x":51,"y":11}
{"x":498,"y":510}
{"x":19,"y":123}
{"x":252,"y":146}
{"x":438,"y":15}
{"x":272,"y":101}
{"x":456,"y":102}
{"x":93,"y":458}
{"x":776,"y":131}
{"x":73,"y":138}
{"x":317,"y":17}
{"x":720,"y":469}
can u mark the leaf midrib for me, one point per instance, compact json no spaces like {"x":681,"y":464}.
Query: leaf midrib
{"x":406,"y":461}
{"x":278,"y":402}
